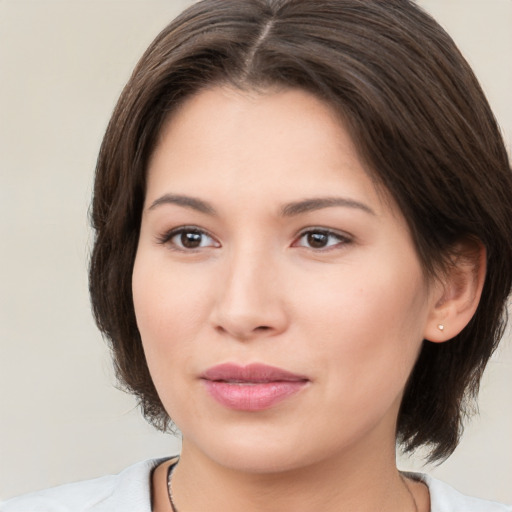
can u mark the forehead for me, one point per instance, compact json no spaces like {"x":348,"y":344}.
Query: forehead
{"x":283,"y":143}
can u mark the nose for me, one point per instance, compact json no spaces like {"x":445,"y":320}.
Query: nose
{"x":250,"y":301}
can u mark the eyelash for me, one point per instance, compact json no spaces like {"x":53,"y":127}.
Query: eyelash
{"x":342,"y":239}
{"x":166,"y":238}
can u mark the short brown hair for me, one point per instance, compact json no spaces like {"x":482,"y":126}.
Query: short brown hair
{"x":420,"y":122}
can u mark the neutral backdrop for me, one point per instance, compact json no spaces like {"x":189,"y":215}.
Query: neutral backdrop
{"x":62,"y":65}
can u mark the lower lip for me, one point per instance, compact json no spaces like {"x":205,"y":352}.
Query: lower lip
{"x":252,"y":397}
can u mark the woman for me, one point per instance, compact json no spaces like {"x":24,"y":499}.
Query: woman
{"x":302,"y":257}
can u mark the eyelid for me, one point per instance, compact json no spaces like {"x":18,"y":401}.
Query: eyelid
{"x":166,"y":237}
{"x":343,"y":237}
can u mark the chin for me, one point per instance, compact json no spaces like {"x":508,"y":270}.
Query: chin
{"x":254,"y":452}
{"x":261,"y":459}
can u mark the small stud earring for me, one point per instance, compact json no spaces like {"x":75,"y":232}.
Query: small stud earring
{"x":440,"y":327}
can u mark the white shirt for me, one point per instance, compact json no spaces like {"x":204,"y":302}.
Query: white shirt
{"x":130,"y":491}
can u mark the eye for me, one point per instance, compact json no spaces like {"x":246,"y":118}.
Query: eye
{"x":188,"y":238}
{"x":321,"y":239}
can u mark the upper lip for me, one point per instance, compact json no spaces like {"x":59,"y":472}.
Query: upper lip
{"x":255,"y":372}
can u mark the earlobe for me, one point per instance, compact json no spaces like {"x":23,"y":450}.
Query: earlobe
{"x":457,"y":291}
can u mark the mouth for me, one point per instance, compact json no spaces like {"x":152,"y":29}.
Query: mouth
{"x":254,"y":387}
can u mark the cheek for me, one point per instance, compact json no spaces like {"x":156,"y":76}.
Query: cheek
{"x":367,"y":323}
{"x":169,"y":307}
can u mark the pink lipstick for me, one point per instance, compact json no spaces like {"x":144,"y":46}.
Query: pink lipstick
{"x":251,"y":388}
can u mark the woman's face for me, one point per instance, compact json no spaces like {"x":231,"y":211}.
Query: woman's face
{"x":279,"y":297}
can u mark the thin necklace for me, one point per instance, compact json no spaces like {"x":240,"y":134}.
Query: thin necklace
{"x":169,"y":488}
{"x":174,"y":508}
{"x":408,"y":490}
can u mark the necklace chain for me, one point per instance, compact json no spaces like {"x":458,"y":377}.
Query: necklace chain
{"x":169,"y":488}
{"x":174,"y":508}
{"x":408,"y":490}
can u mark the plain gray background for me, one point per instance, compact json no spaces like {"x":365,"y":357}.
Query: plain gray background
{"x":62,"y":65}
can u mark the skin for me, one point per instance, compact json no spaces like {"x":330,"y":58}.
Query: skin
{"x":350,"y":315}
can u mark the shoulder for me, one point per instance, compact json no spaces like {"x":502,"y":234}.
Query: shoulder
{"x":444,"y":498}
{"x":129,"y":491}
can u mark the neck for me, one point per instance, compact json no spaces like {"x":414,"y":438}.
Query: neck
{"x":346,"y":483}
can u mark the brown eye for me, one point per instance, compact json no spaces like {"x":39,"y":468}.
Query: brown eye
{"x":317,"y":240}
{"x":321,"y":239}
{"x":190,"y":239}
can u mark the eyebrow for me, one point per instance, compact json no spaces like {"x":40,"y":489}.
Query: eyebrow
{"x":317,"y":203}
{"x":186,"y":201}
{"x":288,"y":210}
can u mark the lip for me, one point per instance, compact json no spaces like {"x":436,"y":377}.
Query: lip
{"x":254,"y":387}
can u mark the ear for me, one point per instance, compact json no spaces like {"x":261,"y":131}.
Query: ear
{"x":456,"y":293}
